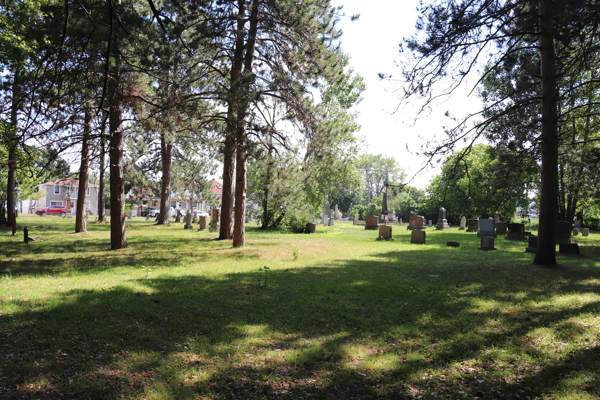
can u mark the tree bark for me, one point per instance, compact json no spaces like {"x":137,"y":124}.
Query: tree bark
{"x":166,"y":151}
{"x":101,"y":178}
{"x":12,"y":153}
{"x":80,"y":220}
{"x":118,"y":238}
{"x":240,"y":187}
{"x":226,"y":227}
{"x":546,"y":249}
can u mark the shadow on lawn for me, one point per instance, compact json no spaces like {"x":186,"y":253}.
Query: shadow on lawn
{"x":190,"y":336}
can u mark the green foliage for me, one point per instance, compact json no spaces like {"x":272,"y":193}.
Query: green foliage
{"x":295,"y":220}
{"x":479,"y":182}
{"x":376,"y":170}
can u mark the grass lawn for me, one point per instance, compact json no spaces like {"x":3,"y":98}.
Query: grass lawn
{"x":337,"y":315}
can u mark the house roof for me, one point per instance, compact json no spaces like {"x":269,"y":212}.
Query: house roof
{"x":67,"y":182}
{"x":216,"y":187}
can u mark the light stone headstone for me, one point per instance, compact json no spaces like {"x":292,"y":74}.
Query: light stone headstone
{"x":202,"y":223}
{"x":188,"y":220}
{"x":577,"y":224}
{"x":497,"y":218}
{"x":487,"y":227}
{"x":585,"y":231}
{"x":463,"y":222}
{"x":430,"y":223}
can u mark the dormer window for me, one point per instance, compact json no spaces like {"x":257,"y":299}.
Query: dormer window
{"x":56,"y":189}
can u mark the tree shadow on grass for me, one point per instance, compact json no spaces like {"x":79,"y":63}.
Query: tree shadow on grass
{"x":391,"y":327}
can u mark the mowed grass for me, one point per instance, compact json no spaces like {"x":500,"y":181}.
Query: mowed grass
{"x":337,"y":315}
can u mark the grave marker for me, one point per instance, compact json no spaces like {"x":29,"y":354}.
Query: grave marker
{"x":417,"y":237}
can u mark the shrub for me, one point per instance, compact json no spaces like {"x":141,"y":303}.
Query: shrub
{"x":296,"y":221}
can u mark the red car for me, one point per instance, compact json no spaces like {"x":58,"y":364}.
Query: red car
{"x":52,"y":210}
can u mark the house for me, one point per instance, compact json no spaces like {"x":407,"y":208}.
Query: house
{"x":183,"y":201}
{"x":63,"y":192}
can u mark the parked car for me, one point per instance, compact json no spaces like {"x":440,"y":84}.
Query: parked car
{"x":202,"y":213}
{"x":52,"y":210}
{"x":152,"y":212}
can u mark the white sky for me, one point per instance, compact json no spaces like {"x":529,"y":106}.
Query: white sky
{"x":372,"y":43}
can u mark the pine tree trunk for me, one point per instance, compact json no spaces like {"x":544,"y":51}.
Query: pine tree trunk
{"x":12,"y":153}
{"x":118,"y":238}
{"x":166,"y":150}
{"x":80,"y":216}
{"x":239,"y":239}
{"x":101,"y":178}
{"x":546,"y":249}
{"x":226,"y":227}
{"x":240,"y":176}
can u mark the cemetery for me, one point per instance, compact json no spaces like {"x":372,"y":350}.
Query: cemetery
{"x":195,"y":316}
{"x":304,"y":200}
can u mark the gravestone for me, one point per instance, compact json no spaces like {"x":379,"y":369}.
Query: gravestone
{"x":497,"y":218}
{"x":310,"y":227}
{"x":355,"y":221}
{"x":585,"y":231}
{"x":215,"y":214}
{"x":195,"y":218}
{"x":575,"y":232}
{"x":515,"y":232}
{"x":473,"y":225}
{"x":430,"y":223}
{"x":577,"y":224}
{"x":385,"y":232}
{"x":417,"y":236}
{"x":25,"y":235}
{"x":463,"y":223}
{"x":501,"y":227}
{"x":338,"y":214}
{"x":400,"y":220}
{"x":487,"y":243}
{"x":453,"y":244}
{"x":246,"y":219}
{"x":568,"y":248}
{"x":178,"y":216}
{"x":188,"y":220}
{"x":532,"y":244}
{"x":202,"y":223}
{"x":563,"y":232}
{"x":487,"y":227}
{"x":391,"y":216}
{"x":331,"y":222}
{"x":371,"y":223}
{"x":416,"y":222}
{"x":442,"y":221}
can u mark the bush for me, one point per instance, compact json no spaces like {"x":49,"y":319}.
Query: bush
{"x":296,"y":221}
{"x":592,"y":223}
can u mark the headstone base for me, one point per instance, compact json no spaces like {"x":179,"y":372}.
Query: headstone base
{"x":416,"y":227}
{"x":568,"y":248}
{"x":188,"y":227}
{"x":442,"y":224}
{"x":521,"y":238}
{"x":487,"y":243}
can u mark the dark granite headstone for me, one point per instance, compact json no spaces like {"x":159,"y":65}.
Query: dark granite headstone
{"x":515,"y":232}
{"x":310,"y":227}
{"x":453,"y":244}
{"x":563,"y":232}
{"x":501,"y":227}
{"x":568,"y":248}
{"x":532,"y":244}
{"x":473,"y":225}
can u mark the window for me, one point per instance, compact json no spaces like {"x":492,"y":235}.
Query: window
{"x":174,"y":204}
{"x":56,"y":203}
{"x":89,"y":192}
{"x":56,"y":189}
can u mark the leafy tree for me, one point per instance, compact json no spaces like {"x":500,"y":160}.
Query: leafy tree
{"x":376,"y":171}
{"x":480,"y":184}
